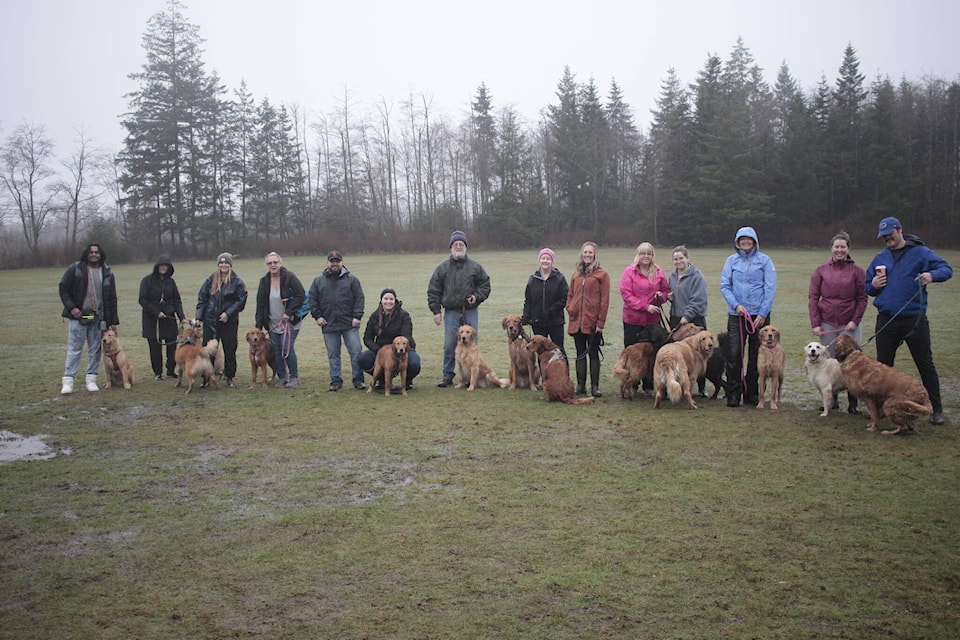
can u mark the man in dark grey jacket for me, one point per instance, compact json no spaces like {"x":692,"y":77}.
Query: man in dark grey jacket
{"x":458,"y":286}
{"x":336,"y":302}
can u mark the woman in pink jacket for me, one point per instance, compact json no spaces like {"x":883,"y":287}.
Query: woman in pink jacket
{"x":644,"y":289}
{"x":837,"y":300}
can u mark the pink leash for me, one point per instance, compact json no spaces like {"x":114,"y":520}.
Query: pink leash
{"x":286,"y":341}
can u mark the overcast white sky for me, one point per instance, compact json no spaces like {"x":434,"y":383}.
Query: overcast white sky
{"x":64,"y":63}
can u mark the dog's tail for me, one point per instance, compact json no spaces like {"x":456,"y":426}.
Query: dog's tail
{"x":587,"y":400}
{"x":504,"y":382}
{"x":668,"y":378}
{"x":619,"y":369}
{"x":211,"y":348}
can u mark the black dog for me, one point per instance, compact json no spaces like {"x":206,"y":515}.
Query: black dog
{"x":717,"y":364}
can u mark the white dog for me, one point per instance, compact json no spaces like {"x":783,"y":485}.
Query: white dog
{"x":824,"y":373}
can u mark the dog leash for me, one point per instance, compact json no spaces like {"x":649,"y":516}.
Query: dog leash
{"x":747,"y":327}
{"x":899,"y":311}
{"x":286,"y":340}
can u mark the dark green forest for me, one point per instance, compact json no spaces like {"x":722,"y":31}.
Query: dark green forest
{"x":205,"y":166}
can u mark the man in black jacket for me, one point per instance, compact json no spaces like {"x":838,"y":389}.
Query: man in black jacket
{"x":88,"y":292}
{"x":456,"y":289}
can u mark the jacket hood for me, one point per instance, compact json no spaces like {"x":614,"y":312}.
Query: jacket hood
{"x":749,"y":233}
{"x":163,"y":260}
{"x":912,"y":240}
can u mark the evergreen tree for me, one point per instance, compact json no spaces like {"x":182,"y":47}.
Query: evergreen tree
{"x":669,"y":162}
{"x":161,"y":156}
{"x":846,"y":130}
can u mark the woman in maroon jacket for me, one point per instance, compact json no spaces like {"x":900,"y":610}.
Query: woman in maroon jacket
{"x":837,"y":300}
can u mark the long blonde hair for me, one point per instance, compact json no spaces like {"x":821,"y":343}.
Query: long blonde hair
{"x":646,"y":247}
{"x":582,"y":268}
{"x":220,"y":281}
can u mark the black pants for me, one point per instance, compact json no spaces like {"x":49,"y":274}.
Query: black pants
{"x":226,"y":333}
{"x":156,"y":356}
{"x":555,"y":333}
{"x":915,"y":331}
{"x":735,"y":376}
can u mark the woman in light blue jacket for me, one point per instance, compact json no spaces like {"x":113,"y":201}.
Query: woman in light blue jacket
{"x":748,"y":283}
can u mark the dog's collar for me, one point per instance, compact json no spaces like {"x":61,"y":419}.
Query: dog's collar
{"x":770,"y":345}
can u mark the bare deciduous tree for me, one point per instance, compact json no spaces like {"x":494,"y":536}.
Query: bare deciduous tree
{"x":26,"y":175}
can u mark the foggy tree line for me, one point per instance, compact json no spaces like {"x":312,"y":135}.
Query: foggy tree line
{"x":204,"y":166}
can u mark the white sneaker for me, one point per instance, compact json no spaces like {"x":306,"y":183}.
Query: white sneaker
{"x":92,"y":382}
{"x":67,"y":387}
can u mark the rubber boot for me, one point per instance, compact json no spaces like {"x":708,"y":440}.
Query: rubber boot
{"x":67,"y":387}
{"x":852,"y":404}
{"x":581,"y":376}
{"x":595,"y":378}
{"x":92,"y":382}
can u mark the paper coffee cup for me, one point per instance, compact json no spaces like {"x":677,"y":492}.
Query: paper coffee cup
{"x":881,"y":270}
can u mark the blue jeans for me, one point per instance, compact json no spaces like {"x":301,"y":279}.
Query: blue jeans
{"x":286,"y":367}
{"x":451,"y":324}
{"x":367,"y":360}
{"x":351,"y":338}
{"x":77,"y":334}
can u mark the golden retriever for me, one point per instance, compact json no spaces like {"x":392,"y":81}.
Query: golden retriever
{"x":634,"y":364}
{"x":389,"y":362}
{"x":677,"y":367}
{"x":636,"y":361}
{"x":115,"y":362}
{"x":261,"y":356}
{"x":824,"y":373}
{"x":886,"y":391}
{"x":771,"y":362}
{"x":193,"y":361}
{"x":474,"y":372}
{"x":557,"y":385}
{"x":523,"y":363}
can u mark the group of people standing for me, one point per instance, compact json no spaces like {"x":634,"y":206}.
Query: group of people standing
{"x":837,"y":300}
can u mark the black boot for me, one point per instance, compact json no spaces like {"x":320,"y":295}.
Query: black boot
{"x":581,"y":376}
{"x":595,"y":378}
{"x":852,"y":404}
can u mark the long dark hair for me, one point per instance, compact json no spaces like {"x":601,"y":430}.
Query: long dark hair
{"x":86,"y":253}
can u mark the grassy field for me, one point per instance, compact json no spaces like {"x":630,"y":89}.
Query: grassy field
{"x":450,"y":514}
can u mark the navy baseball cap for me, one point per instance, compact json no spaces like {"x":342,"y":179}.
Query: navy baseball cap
{"x":887,"y":225}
